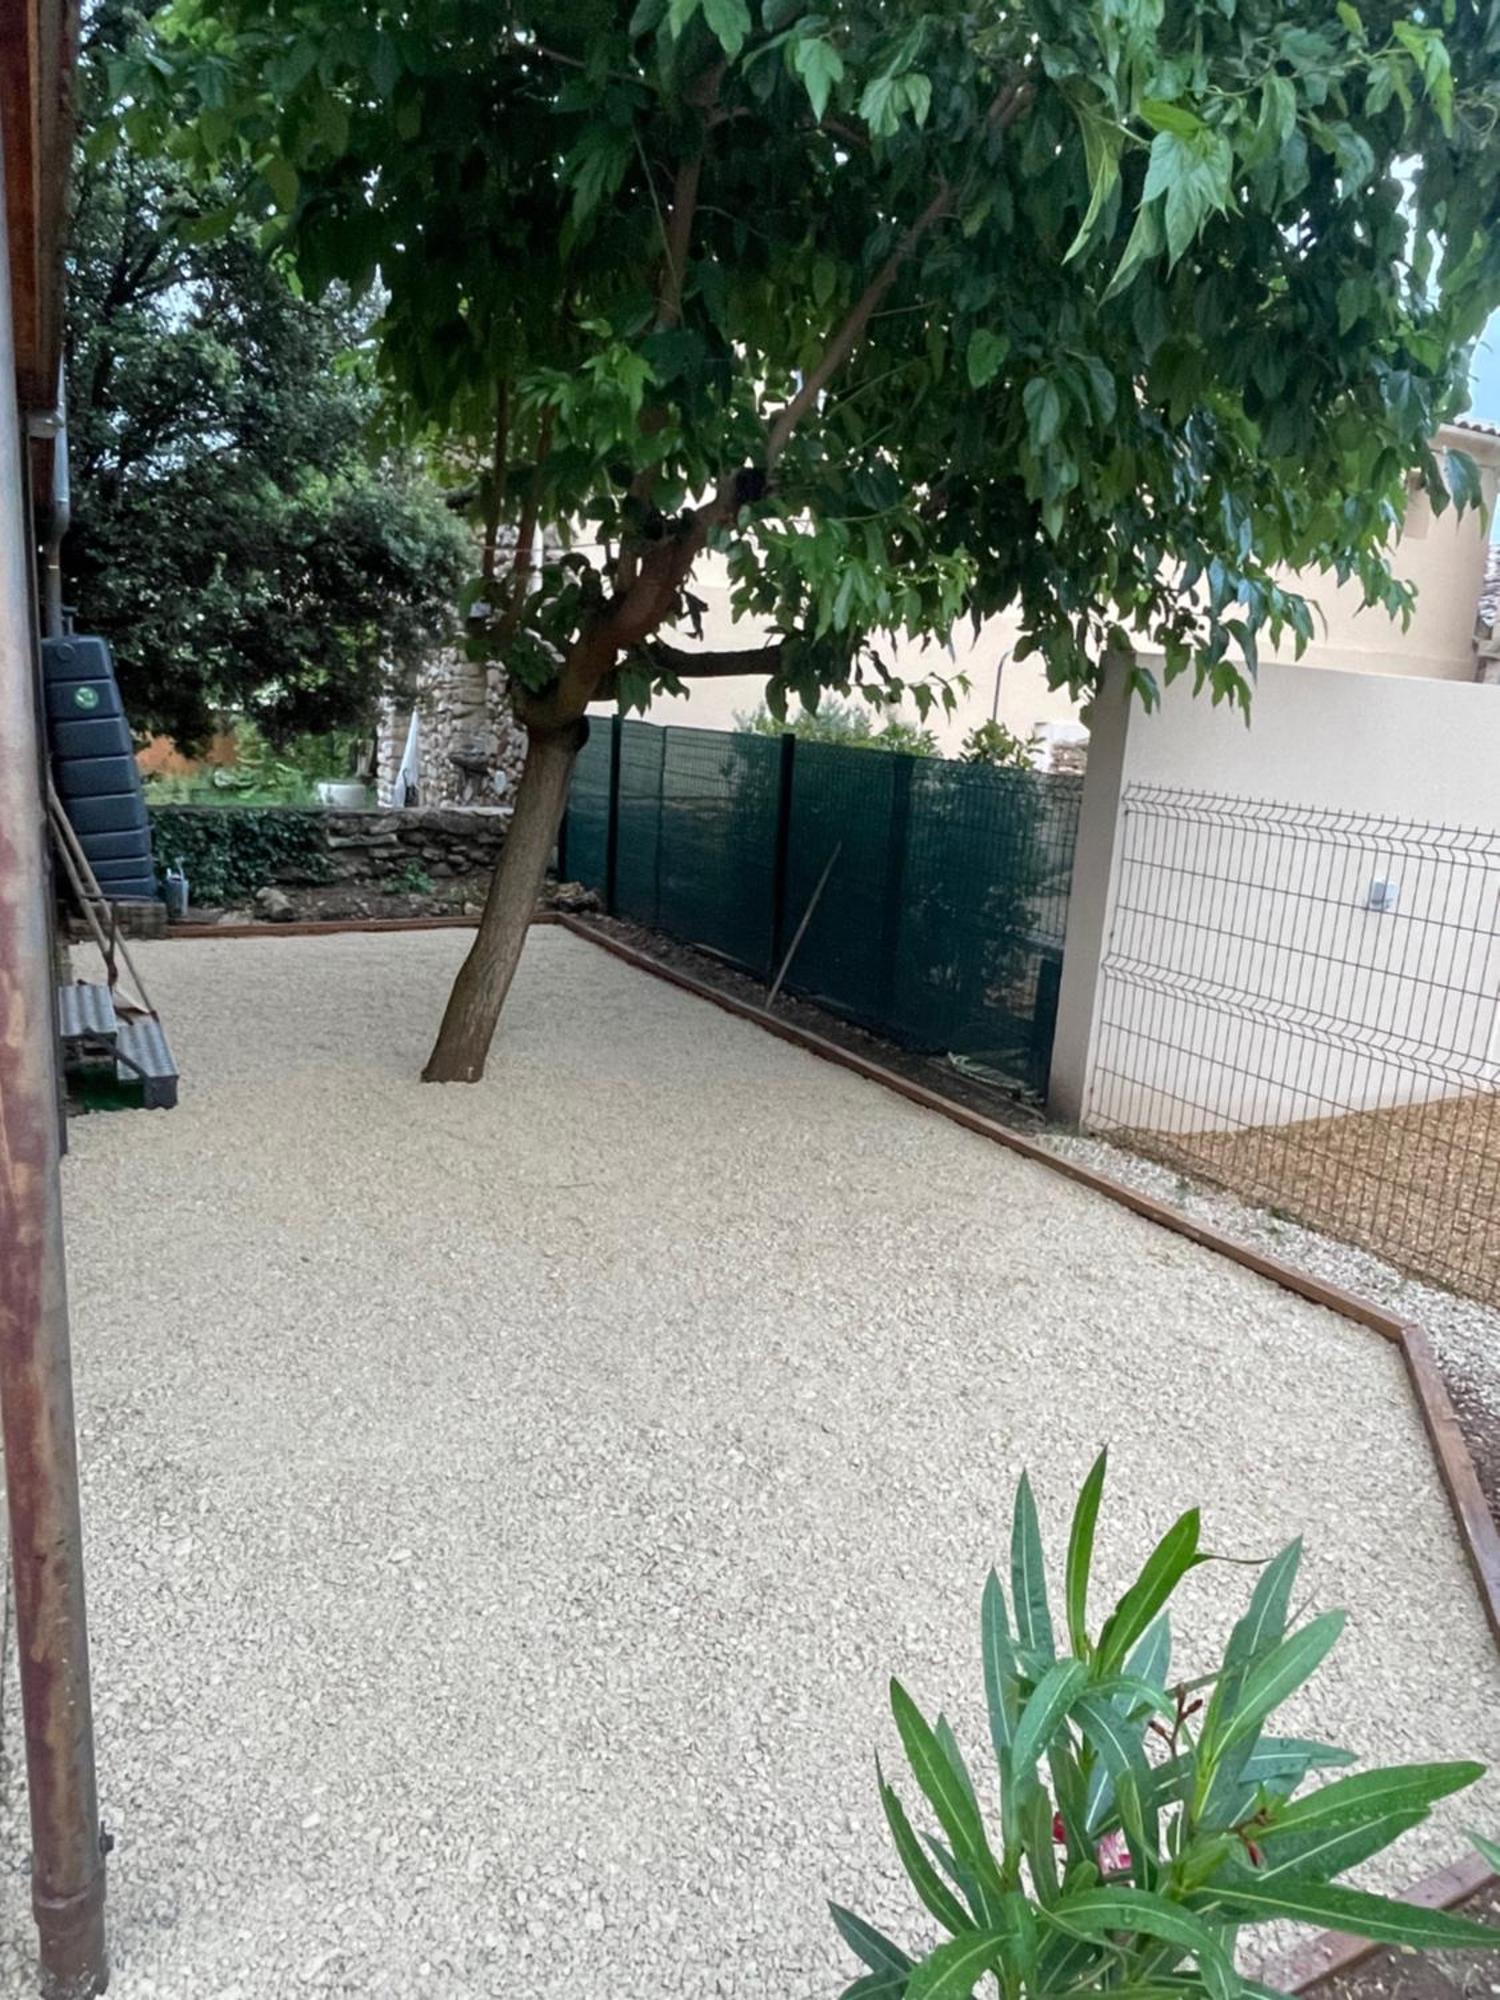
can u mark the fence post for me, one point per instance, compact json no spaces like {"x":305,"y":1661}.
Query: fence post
{"x":612,"y":827}
{"x":1090,"y":896}
{"x":897,"y":841}
{"x":661,"y":794}
{"x":781,"y":853}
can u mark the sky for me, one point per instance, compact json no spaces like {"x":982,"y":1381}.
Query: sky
{"x":1484,"y":404}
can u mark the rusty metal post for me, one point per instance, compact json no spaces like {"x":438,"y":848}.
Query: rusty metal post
{"x":36,"y":1383}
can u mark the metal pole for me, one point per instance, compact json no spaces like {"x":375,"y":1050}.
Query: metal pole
{"x":807,"y":917}
{"x":36,"y":1385}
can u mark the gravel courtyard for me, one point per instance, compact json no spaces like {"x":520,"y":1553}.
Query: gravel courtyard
{"x":505,"y":1504}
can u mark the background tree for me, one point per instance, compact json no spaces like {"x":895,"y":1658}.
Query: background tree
{"x":232,"y":537}
{"x":1108,"y":311}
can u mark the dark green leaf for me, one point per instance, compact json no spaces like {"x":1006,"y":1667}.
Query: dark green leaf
{"x":1028,"y":1581}
{"x":950,"y":1796}
{"x":1369,"y":1794}
{"x":1100,"y":1912}
{"x":925,"y":1879}
{"x":985,"y":356}
{"x":999,"y":1664}
{"x":820,"y":67}
{"x":869,"y":1945}
{"x":1274,"y":1677}
{"x":949,"y":1972}
{"x":1381,"y":1918}
{"x":1081,"y":1548}
{"x":1174,"y":1555}
{"x":1045,"y":1712}
{"x":1043,"y":407}
{"x":729,"y":24}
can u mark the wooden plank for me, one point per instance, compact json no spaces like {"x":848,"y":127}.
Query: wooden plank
{"x":1481,"y":1538}
{"x":38,"y":54}
{"x":336,"y":926}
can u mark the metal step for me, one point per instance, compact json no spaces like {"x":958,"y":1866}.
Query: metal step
{"x":86,"y":1015}
{"x":142,"y":1056}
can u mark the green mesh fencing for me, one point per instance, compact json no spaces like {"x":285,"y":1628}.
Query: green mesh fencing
{"x":583,"y":850}
{"x":935,"y":894}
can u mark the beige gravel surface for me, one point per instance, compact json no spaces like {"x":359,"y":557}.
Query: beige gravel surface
{"x":505,"y":1504}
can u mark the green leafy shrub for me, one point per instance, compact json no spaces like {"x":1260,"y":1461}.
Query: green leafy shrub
{"x":844,"y":724}
{"x":993,"y":743}
{"x":228,"y":852}
{"x":413,"y":880}
{"x":1143,"y":1819}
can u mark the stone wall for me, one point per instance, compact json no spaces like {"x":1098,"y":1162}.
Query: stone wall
{"x":470,"y":746}
{"x":378,"y":848}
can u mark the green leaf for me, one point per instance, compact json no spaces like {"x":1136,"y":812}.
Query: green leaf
{"x":1488,"y":1850}
{"x":1119,"y":1746}
{"x":1275,"y":1676}
{"x":985,"y":356}
{"x":1382,"y":1919}
{"x":1173,"y":118}
{"x":729,"y":23}
{"x":999,"y":1664}
{"x":1264,"y":1623}
{"x":1081,"y":1544}
{"x":870,"y":1946}
{"x":1043,"y":406}
{"x":1193,"y":174}
{"x":281,"y":177}
{"x":1145,"y":242}
{"x":1050,"y":1702}
{"x":925,"y":1879}
{"x":949,"y":1972}
{"x":1098,"y":1912}
{"x":679,"y":13}
{"x":878,"y":106}
{"x":1369,"y":1794}
{"x":1318,"y":1853}
{"x":1028,"y":1582}
{"x":1169,"y":1562}
{"x":820,"y":67}
{"x":1102,"y":140}
{"x":876,"y":1986}
{"x":950,"y":1796}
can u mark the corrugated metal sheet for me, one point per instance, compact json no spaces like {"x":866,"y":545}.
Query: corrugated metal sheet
{"x":86,"y":1013}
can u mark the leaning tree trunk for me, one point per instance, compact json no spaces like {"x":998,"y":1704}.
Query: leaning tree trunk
{"x":463,"y":1042}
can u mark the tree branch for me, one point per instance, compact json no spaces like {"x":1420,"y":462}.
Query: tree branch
{"x":678,"y":236}
{"x":497,"y":481}
{"x":847,"y":336}
{"x":531,"y":506}
{"x":1007,"y":107}
{"x":715,"y":666}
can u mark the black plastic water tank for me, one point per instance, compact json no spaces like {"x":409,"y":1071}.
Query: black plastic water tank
{"x":94,"y":767}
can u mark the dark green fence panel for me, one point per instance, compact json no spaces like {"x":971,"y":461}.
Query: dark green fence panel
{"x":846,"y":809}
{"x":584,"y":848}
{"x":942,"y":909}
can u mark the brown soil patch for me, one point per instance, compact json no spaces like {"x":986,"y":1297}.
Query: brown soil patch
{"x":1419,"y":1185}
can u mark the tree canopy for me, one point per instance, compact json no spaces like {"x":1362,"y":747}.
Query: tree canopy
{"x":233,"y":536}
{"x":1114,"y":311}
{"x":1107,"y":311}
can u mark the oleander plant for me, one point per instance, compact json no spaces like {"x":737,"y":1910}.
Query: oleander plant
{"x":1143,"y":1819}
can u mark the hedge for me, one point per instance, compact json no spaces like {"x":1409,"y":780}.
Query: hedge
{"x":228,"y":852}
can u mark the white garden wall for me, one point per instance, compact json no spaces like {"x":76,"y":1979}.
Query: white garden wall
{"x":1330,"y":948}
